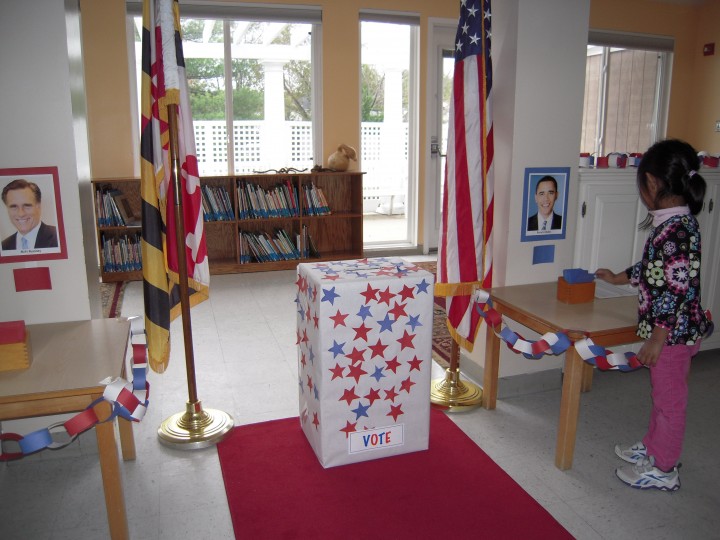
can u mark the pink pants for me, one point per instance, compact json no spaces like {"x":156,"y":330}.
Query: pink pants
{"x":668,"y":378}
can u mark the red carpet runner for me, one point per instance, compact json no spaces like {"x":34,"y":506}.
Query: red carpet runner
{"x":277,"y":489}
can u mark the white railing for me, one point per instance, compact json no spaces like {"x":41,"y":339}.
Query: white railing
{"x":259,"y":146}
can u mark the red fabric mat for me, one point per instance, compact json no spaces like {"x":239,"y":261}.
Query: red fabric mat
{"x":276,"y":488}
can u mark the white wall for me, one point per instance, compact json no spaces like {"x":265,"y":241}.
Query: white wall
{"x":38,"y":126}
{"x":539,"y":52}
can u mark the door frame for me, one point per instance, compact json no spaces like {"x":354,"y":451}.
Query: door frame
{"x":439,"y":29}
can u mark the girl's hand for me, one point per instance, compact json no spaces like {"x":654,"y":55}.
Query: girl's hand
{"x":611,"y":277}
{"x":651,"y":349}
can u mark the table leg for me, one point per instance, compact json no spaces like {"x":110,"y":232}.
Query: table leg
{"x":127,"y":439}
{"x":569,"y":409}
{"x":587,"y":377}
{"x":492,"y":363}
{"x":112,"y":481}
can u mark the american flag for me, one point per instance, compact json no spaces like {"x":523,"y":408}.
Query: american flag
{"x":164,"y":83}
{"x":465,"y":251}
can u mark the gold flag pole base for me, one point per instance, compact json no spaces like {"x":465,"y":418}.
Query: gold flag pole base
{"x":452,"y":394}
{"x":195,"y":428}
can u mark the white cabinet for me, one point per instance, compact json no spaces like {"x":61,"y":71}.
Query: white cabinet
{"x":607,"y":235}
{"x":609,"y":211}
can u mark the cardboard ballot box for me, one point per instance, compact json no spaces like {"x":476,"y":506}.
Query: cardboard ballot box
{"x":364,"y":330}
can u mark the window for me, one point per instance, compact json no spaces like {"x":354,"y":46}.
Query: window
{"x":626,"y":81}
{"x":389,"y":96}
{"x":251,"y":79}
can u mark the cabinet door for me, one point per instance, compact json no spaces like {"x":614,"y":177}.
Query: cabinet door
{"x":607,"y":233}
{"x":709,"y":219}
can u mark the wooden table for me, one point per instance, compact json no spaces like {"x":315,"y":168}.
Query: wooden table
{"x":607,"y":321}
{"x":68,"y":362}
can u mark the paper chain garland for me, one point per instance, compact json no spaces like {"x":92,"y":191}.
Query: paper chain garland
{"x":553,"y":343}
{"x":128,"y":400}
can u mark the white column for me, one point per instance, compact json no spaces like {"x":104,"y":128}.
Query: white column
{"x":274,"y":127}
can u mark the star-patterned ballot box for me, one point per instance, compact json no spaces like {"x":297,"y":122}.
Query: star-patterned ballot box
{"x":364,"y":331}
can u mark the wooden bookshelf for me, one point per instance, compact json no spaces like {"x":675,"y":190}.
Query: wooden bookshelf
{"x":336,"y":235}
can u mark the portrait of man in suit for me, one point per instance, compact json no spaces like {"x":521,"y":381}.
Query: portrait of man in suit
{"x":546,"y":193}
{"x":23,"y":202}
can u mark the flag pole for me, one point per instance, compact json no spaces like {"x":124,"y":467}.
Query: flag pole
{"x":196,"y":427}
{"x":452,"y":394}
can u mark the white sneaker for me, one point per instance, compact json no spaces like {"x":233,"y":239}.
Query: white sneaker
{"x":644,"y":475}
{"x":632,"y":454}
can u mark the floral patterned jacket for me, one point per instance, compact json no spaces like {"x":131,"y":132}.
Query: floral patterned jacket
{"x":668,"y":281}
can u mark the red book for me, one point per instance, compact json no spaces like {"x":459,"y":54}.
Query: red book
{"x":12,"y":332}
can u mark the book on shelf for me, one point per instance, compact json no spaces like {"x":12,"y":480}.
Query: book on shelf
{"x":122,"y":253}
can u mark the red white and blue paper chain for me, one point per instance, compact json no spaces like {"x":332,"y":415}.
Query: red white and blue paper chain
{"x":553,"y":343}
{"x":127,"y":400}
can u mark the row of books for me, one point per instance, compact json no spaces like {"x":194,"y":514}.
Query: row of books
{"x":280,"y":200}
{"x":122,"y":253}
{"x":114,"y":209}
{"x":315,"y":202}
{"x":216,"y":203}
{"x":262,"y":247}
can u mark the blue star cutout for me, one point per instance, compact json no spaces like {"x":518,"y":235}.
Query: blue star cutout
{"x":312,"y":354}
{"x":337,"y":348}
{"x":301,"y":311}
{"x":378,"y":374}
{"x":315,"y":390}
{"x":386,"y":323}
{"x":300,"y":382}
{"x":329,"y":295}
{"x":414,"y":321}
{"x":364,"y":312}
{"x":423,"y":286}
{"x":361,"y":411}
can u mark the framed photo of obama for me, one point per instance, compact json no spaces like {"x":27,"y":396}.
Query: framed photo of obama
{"x":31,"y":219}
{"x":545,"y":203}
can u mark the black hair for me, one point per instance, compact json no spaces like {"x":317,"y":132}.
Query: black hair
{"x":21,"y":183}
{"x":675,"y":165}
{"x":546,"y":178}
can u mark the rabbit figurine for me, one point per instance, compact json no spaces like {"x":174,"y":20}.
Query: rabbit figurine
{"x":340,"y":159}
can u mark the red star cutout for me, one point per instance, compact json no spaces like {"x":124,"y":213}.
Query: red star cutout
{"x":406,"y":384}
{"x":398,"y":310}
{"x":407,"y":292}
{"x":337,"y":372}
{"x":349,"y":395}
{"x":392,"y":365}
{"x":305,"y":336}
{"x":309,"y":383}
{"x":390,"y":394}
{"x":302,"y":359}
{"x":406,"y":340}
{"x":316,"y":320}
{"x":415,"y":363}
{"x":378,"y":349}
{"x":316,"y":421}
{"x":349,"y":428}
{"x":370,"y":294}
{"x":301,"y":283}
{"x":297,"y":339}
{"x":361,"y":332}
{"x":339,"y":319}
{"x":385,"y":296}
{"x":372,"y":395}
{"x":356,"y":356}
{"x":356,"y":371}
{"x":395,"y":411}
{"x":314,"y":293}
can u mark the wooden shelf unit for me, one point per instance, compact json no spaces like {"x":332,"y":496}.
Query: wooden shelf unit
{"x":336,"y":236}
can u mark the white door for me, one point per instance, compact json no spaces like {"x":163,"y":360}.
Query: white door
{"x":709,"y":219}
{"x":440,"y":70}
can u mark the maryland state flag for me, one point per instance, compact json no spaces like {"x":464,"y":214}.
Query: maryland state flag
{"x":465,"y":250}
{"x":164,"y":83}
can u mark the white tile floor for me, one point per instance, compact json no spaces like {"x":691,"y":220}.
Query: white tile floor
{"x":244,"y":341}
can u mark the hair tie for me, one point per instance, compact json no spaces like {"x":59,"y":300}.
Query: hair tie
{"x":692,"y":173}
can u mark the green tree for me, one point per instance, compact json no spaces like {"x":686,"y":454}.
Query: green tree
{"x":372,"y":94}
